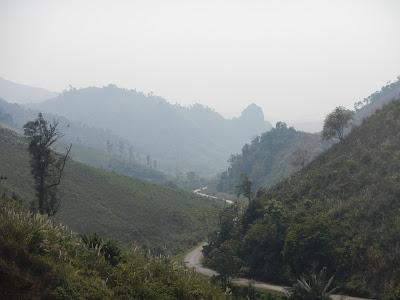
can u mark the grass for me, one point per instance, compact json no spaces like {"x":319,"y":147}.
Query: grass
{"x":116,"y":207}
{"x":41,"y":259}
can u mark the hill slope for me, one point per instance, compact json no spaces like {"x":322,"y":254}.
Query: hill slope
{"x":179,"y":138}
{"x":20,"y":93}
{"x":42,"y":260}
{"x":114,"y":206}
{"x":341,"y":211}
{"x":270,"y":157}
{"x":93,"y":146}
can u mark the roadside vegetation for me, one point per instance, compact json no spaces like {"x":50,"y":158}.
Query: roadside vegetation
{"x":339,"y":212}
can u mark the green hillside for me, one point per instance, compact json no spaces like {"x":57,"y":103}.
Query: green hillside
{"x":341,"y":211}
{"x":117,"y":207}
{"x":43,"y":260}
{"x":270,"y":157}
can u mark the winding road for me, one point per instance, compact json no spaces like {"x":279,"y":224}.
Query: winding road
{"x":193,"y":260}
{"x":199,"y":193}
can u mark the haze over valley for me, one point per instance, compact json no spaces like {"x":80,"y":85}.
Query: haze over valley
{"x":200,"y":150}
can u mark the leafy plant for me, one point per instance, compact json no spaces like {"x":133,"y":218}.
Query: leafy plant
{"x":314,"y":287}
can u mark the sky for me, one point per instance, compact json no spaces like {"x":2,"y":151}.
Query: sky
{"x":297,"y":59}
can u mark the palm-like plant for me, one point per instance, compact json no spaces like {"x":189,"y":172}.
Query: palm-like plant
{"x":315,"y":287}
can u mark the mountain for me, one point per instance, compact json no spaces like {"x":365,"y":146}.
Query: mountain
{"x":40,"y":259}
{"x":20,"y":93}
{"x":270,"y":157}
{"x":181,"y":139}
{"x":341,"y":211}
{"x":282,"y":151}
{"x":114,"y":206}
{"x":93,"y":146}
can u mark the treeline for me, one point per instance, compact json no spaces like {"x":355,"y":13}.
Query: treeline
{"x":338,"y":212}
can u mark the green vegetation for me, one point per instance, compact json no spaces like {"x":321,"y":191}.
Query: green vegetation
{"x":316,"y":287}
{"x":46,"y":166}
{"x":40,"y":259}
{"x":336,"y":122}
{"x":341,"y":211}
{"x":270,"y":157}
{"x":114,"y":206}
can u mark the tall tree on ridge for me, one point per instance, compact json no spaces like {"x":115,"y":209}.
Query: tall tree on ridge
{"x":47,"y":167}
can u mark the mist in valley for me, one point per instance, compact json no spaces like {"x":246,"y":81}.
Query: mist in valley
{"x":199,"y":149}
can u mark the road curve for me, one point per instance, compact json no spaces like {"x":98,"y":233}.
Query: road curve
{"x":199,"y":193}
{"x":193,"y":260}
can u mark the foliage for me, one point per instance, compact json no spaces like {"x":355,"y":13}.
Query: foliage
{"x":269,"y":157}
{"x":114,"y":206}
{"x":40,"y":259}
{"x":245,"y":188}
{"x":315,"y":287}
{"x":46,"y":168}
{"x":339,"y":211}
{"x":110,"y":250}
{"x":308,"y":246}
{"x":336,"y":122}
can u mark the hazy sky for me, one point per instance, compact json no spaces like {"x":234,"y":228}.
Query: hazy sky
{"x":297,"y":59}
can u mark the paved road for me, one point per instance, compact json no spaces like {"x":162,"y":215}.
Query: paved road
{"x":193,"y":260}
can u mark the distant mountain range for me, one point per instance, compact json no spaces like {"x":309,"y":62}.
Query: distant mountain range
{"x":20,"y":93}
{"x":180,"y":139}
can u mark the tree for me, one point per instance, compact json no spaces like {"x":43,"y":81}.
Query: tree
{"x":308,"y":246}
{"x":281,"y":125}
{"x":225,"y":261}
{"x":245,"y":187}
{"x":109,"y":148}
{"x":130,"y":154}
{"x":47,"y":167}
{"x":336,"y":122}
{"x":121,"y":148}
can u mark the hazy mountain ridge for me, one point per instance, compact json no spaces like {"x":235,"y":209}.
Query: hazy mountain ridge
{"x":20,"y":93}
{"x":93,"y":146}
{"x":179,"y":138}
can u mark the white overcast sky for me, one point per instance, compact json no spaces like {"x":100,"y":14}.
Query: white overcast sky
{"x":296,"y":59}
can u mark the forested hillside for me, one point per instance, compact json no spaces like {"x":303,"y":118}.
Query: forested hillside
{"x":376,"y":100}
{"x":114,"y":206}
{"x":341,"y":211}
{"x":270,"y":157}
{"x":282,"y":151}
{"x":43,"y":260}
{"x":180,"y":139}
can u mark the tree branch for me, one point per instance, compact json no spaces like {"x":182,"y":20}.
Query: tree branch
{"x":61,"y":170}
